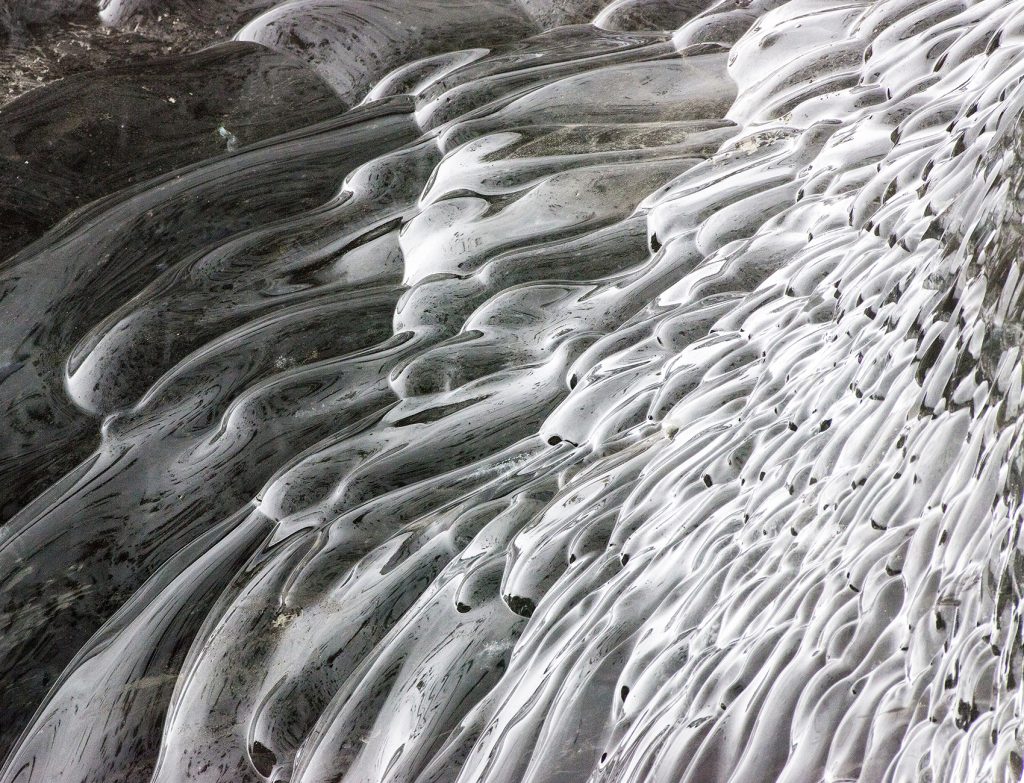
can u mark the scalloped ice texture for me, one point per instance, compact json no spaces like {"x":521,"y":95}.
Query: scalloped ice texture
{"x":644,"y":406}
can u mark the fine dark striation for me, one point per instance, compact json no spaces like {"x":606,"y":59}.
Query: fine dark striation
{"x":485,"y":391}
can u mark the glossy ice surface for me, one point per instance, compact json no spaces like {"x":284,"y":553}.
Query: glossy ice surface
{"x":518,"y":390}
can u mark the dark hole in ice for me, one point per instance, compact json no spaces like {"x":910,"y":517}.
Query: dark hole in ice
{"x":263,"y":758}
{"x":966,"y":714}
{"x":520,"y":605}
{"x":1016,"y":764}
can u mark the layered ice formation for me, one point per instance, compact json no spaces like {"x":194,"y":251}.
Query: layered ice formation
{"x":478,"y":391}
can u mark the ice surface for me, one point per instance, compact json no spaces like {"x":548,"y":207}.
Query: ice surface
{"x":627,"y":401}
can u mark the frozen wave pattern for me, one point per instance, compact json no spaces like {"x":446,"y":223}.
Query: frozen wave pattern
{"x":628,"y":401}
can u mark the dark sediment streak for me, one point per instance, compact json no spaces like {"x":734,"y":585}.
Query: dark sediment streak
{"x":90,"y":134}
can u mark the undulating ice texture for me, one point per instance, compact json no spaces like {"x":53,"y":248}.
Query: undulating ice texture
{"x":494,"y":391}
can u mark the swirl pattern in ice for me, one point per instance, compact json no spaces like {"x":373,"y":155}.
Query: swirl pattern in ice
{"x":612,"y":392}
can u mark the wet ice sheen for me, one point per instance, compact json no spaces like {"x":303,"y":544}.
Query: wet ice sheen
{"x":643,"y":405}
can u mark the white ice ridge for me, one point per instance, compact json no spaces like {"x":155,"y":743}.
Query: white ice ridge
{"x":646,"y":407}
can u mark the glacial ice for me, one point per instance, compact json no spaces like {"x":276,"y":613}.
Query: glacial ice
{"x":573,"y":391}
